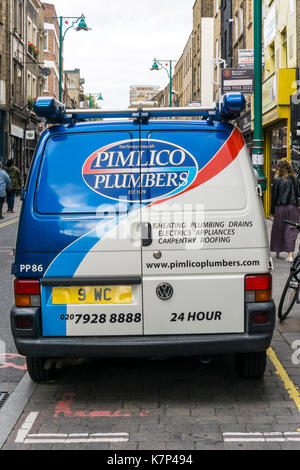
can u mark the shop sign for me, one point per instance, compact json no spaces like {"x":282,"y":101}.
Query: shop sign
{"x":237,"y":80}
{"x":30,"y":135}
{"x":269,"y":92}
{"x":246,"y":58}
{"x":17,"y":131}
{"x":244,"y":122}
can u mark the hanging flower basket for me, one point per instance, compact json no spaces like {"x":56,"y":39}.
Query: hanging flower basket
{"x":32,"y":49}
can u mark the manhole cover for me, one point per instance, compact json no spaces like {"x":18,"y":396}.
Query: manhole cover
{"x":3,"y":397}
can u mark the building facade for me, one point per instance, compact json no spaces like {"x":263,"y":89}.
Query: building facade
{"x":75,"y":88}
{"x":203,"y":24}
{"x":280,"y":44}
{"x":142,"y":94}
{"x":243,"y":56}
{"x":4,"y":78}
{"x":29,"y":67}
{"x":34,"y":79}
{"x":51,"y":51}
{"x":25,"y":27}
{"x":193,"y":73}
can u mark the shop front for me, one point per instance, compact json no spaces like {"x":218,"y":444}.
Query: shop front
{"x":17,"y":144}
{"x":277,"y":91}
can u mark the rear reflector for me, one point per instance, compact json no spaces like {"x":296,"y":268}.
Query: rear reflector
{"x":260,"y":318}
{"x":258,"y":282}
{"x":24,"y":323}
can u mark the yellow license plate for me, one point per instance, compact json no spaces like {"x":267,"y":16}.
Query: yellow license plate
{"x":91,"y":295}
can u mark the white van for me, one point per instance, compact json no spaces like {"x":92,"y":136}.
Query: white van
{"x":142,"y":237}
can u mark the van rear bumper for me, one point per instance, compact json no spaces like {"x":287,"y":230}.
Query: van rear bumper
{"x":256,"y":338}
{"x":146,"y":346}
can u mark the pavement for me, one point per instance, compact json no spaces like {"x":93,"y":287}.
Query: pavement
{"x":178,"y":404}
{"x":290,"y":328}
{"x":7,"y":215}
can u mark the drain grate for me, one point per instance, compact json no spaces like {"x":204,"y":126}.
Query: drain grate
{"x":3,"y":397}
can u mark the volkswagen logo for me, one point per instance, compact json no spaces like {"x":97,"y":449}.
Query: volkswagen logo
{"x":164,"y":291}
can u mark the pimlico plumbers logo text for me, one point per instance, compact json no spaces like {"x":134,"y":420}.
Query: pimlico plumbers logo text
{"x":141,"y":171}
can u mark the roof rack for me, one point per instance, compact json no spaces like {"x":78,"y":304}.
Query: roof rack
{"x":55,"y":112}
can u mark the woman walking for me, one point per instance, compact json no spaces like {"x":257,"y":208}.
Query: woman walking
{"x":285,"y":195}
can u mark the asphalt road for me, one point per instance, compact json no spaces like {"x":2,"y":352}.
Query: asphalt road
{"x":12,"y":366}
{"x":178,"y":404}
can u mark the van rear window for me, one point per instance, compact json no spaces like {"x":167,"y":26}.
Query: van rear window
{"x":86,"y":173}
{"x":62,"y":188}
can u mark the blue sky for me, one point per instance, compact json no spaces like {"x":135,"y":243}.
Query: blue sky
{"x":126,"y":35}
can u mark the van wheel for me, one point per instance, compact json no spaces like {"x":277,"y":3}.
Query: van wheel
{"x":36,"y":369}
{"x":251,"y":365}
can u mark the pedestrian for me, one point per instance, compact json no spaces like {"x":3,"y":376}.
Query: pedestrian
{"x":284,"y":206}
{"x":16,"y":184}
{"x":4,"y":186}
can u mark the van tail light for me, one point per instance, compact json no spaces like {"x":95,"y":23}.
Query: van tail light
{"x":27,"y":293}
{"x":258,"y":288}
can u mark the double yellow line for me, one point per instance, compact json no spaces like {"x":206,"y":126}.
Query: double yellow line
{"x":287,"y":382}
{"x":9,"y":222}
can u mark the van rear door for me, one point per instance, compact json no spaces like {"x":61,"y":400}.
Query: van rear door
{"x":88,"y":189}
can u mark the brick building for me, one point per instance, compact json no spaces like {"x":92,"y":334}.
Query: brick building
{"x":183,"y":74}
{"x":203,"y":50}
{"x":192,"y":80}
{"x":24,"y":58}
{"x":142,"y":93}
{"x":51,"y":51}
{"x":34,"y":79}
{"x":4,"y":67}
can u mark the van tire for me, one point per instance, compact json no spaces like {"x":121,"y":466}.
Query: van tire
{"x":251,"y":365}
{"x":37,"y":371}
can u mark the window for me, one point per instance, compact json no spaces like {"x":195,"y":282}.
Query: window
{"x":217,"y":48}
{"x":34,"y":35}
{"x":15,"y":13}
{"x":272,"y":61}
{"x":46,"y":41}
{"x":241,"y":20}
{"x":284,"y":61}
{"x":21,"y":19}
{"x":250,"y":4}
{"x":18,"y":90}
{"x":29,"y":85}
{"x":46,"y":86}
{"x":236,"y":27}
{"x":29,"y":30}
{"x":33,"y":87}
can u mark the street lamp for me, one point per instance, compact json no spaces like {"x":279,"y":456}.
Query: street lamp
{"x":163,"y":64}
{"x":99,"y":98}
{"x":80,"y":25}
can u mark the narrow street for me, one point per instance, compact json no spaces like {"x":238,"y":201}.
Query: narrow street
{"x":179,"y":404}
{"x":12,"y":366}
